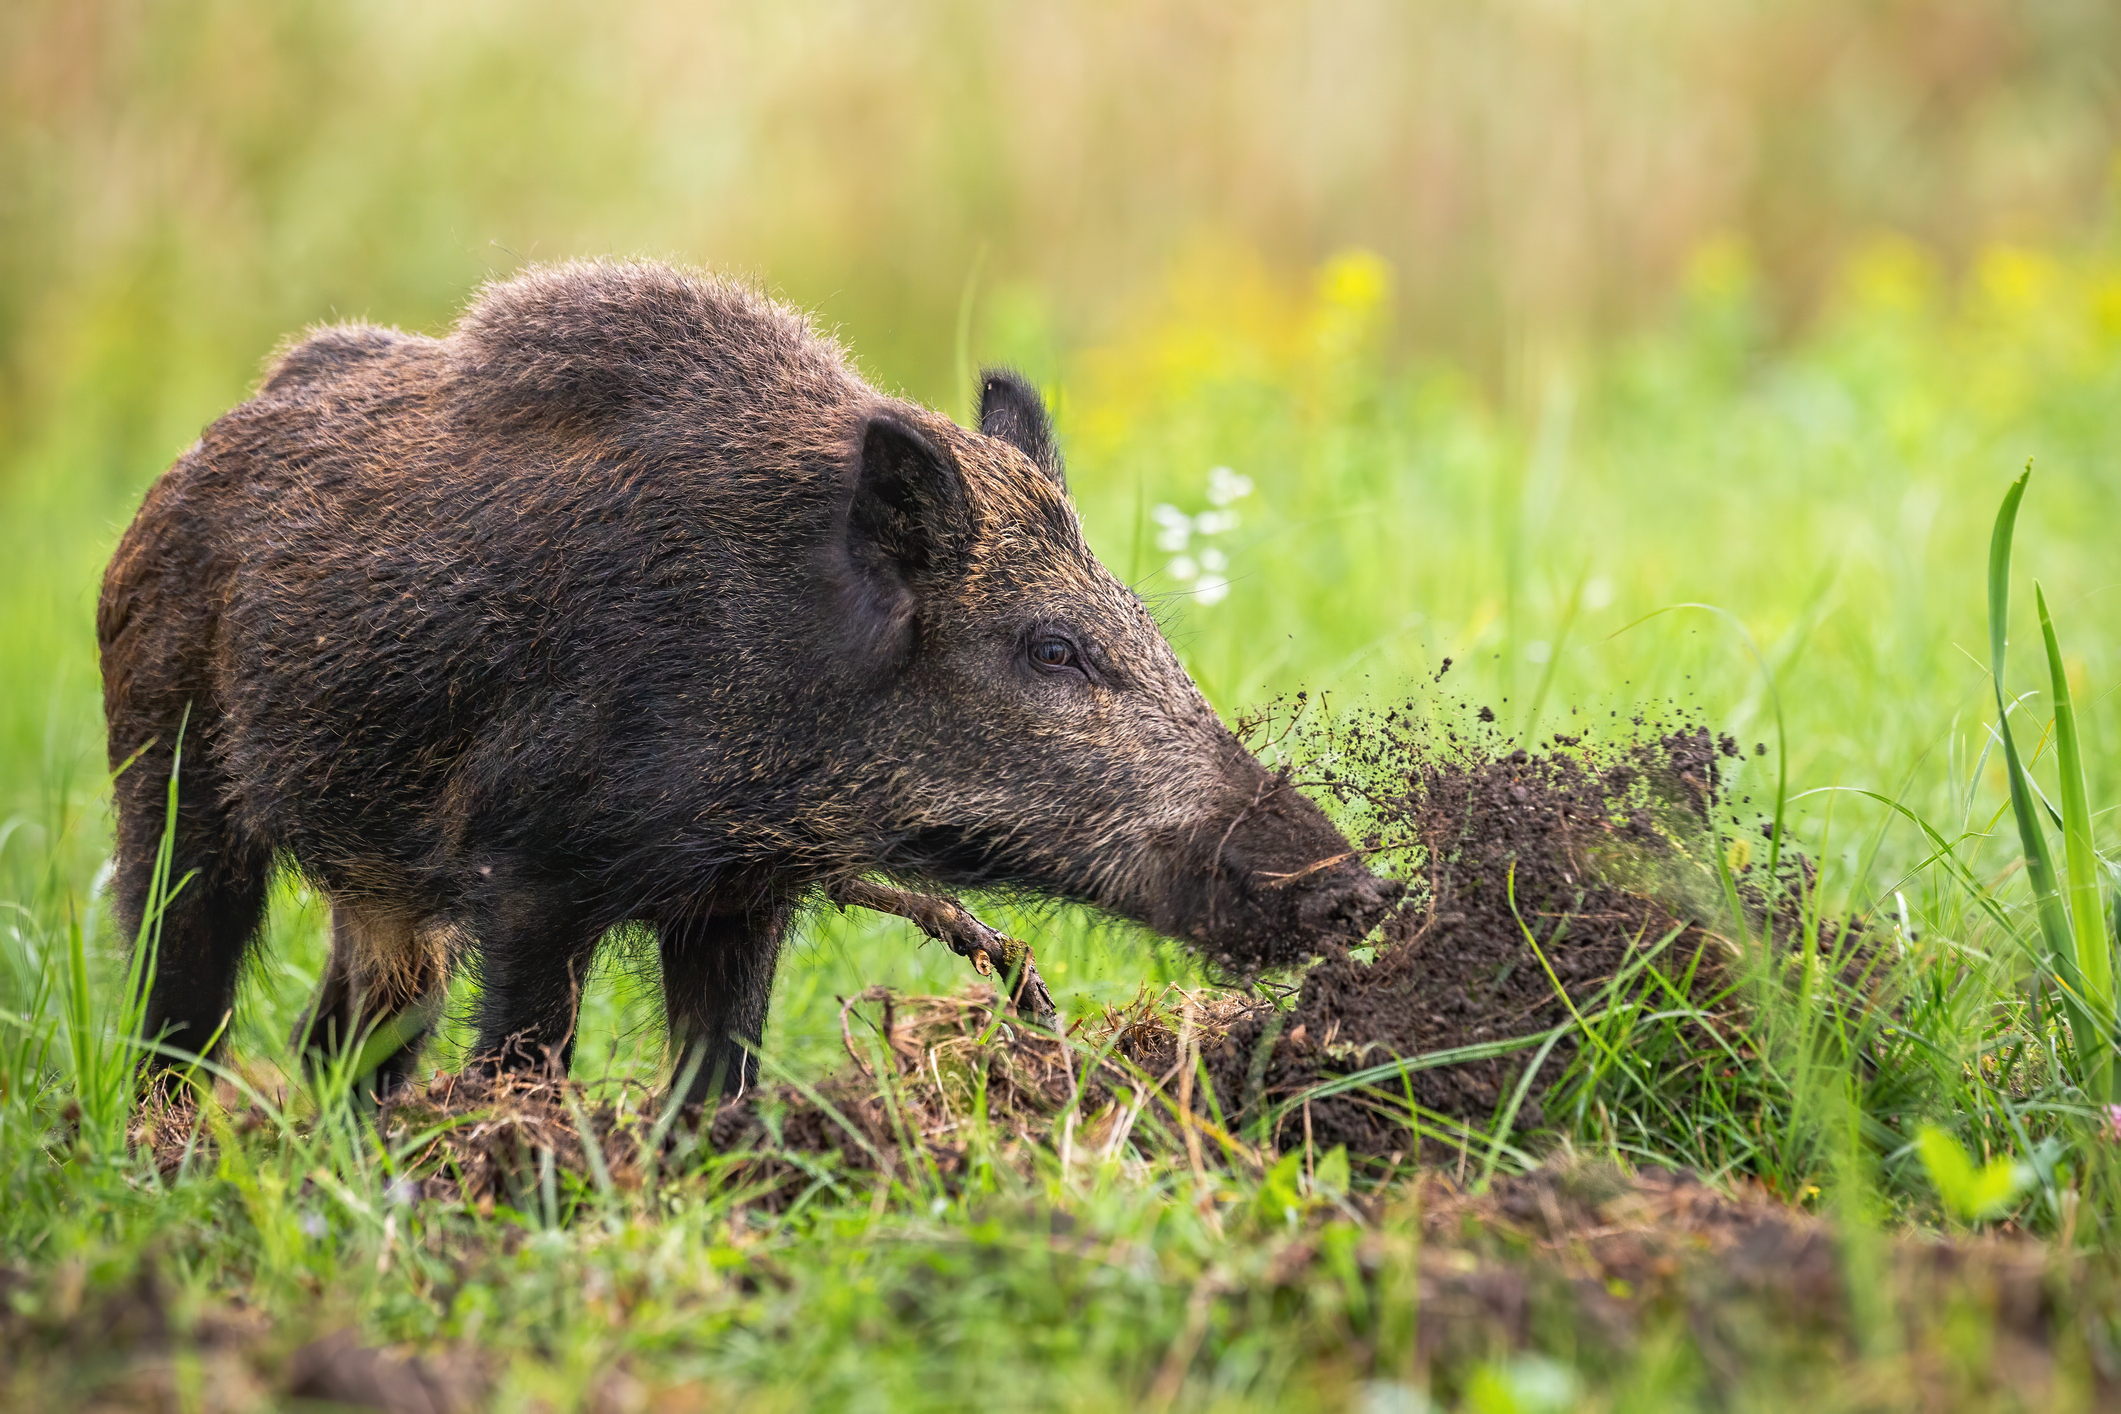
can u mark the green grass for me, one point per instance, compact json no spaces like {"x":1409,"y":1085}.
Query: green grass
{"x":1833,"y":502}
{"x":1785,"y":533}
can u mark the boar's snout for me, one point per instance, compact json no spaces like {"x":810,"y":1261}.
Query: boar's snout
{"x":1348,"y":900}
{"x":1285,"y":881}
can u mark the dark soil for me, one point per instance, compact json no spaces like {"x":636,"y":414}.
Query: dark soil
{"x":137,"y":1346}
{"x":918,"y":1066}
{"x":1597,"y":855}
{"x":1761,"y":1290}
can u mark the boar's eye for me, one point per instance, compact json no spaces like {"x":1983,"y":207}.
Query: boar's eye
{"x":1054,"y":654}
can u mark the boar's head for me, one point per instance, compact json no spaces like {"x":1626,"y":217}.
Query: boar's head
{"x":1034,"y":729}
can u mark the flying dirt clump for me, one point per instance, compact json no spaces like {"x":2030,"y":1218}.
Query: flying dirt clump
{"x":1592,"y":852}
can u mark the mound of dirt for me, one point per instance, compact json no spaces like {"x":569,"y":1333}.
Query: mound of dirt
{"x":918,"y":1071}
{"x":1542,"y":876}
{"x":1761,"y":1289}
{"x":138,"y":1345}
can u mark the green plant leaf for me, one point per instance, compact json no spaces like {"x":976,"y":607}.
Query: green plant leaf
{"x":1331,"y":1178}
{"x":2039,"y":861}
{"x":2095,"y":967}
{"x":2091,"y":1033}
{"x":1971,"y":1194}
{"x":1281,"y":1199}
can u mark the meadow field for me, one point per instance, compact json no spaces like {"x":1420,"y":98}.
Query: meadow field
{"x":1753,"y":485}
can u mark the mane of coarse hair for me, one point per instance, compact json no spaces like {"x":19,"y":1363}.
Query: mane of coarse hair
{"x":585,"y":345}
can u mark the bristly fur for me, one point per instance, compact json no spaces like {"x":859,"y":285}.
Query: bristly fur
{"x":628,"y":602}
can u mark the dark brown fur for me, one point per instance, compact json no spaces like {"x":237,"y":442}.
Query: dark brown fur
{"x":629,"y":602}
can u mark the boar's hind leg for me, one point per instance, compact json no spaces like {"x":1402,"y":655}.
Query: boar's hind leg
{"x":213,"y":901}
{"x":384,"y":984}
{"x":717,"y":980}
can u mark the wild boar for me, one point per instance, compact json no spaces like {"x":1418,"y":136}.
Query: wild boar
{"x":629,"y":603}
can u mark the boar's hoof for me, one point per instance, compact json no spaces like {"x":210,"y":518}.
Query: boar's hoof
{"x":952,"y":924}
{"x":1031,"y":1000}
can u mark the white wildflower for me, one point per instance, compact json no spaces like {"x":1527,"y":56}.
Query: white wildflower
{"x":1392,"y":1397}
{"x":1203,"y":567}
{"x":1225,"y":486}
{"x":1177,"y":528}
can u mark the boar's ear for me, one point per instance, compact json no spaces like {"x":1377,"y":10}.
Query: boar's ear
{"x":909,"y":529}
{"x":1011,"y":409}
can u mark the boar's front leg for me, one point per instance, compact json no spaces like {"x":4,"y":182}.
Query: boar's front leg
{"x":951,"y":923}
{"x":717,"y":981}
{"x":534,"y":953}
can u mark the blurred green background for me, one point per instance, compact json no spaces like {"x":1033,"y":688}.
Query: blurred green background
{"x":1520,"y":321}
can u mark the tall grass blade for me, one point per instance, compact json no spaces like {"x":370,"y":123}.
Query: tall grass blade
{"x":2095,"y":968}
{"x":2091,"y":1036}
{"x":2096,"y":1032}
{"x":2039,"y":863}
